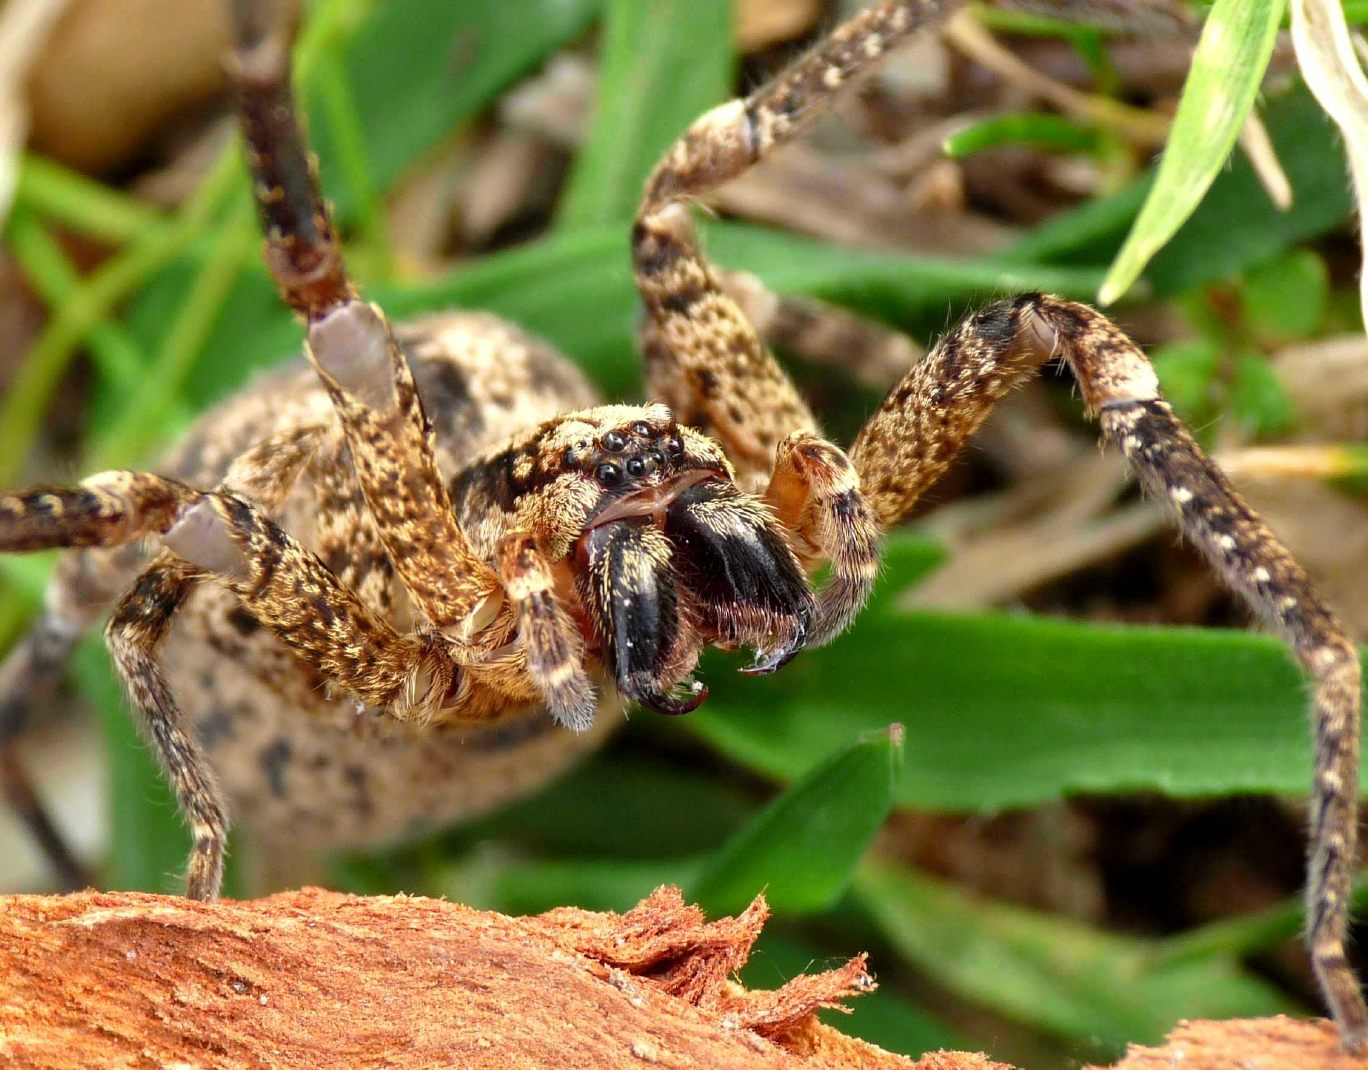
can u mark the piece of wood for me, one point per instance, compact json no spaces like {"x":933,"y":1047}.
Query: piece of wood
{"x":1245,"y":1044}
{"x":314,"y":979}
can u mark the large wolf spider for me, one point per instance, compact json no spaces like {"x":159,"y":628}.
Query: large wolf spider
{"x":419,"y":530}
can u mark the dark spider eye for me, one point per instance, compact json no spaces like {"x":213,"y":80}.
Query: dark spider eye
{"x":568,"y":457}
{"x":614,"y":443}
{"x":657,"y":458}
{"x":675,"y":445}
{"x":636,"y":467}
{"x":610,"y":475}
{"x":642,"y":429}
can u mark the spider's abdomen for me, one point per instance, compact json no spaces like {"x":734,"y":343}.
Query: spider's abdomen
{"x":299,"y":764}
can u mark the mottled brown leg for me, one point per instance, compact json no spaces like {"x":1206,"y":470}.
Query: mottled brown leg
{"x":266,"y":472}
{"x":703,"y":357}
{"x":551,"y":639}
{"x":135,"y":629}
{"x":923,"y":423}
{"x":286,"y":587}
{"x":815,"y":493}
{"x":344,"y":536}
{"x":1252,"y":561}
{"x":353,"y":350}
{"x":279,"y":582}
{"x":921,"y":426}
{"x":293,"y":594}
{"x":82,"y":587}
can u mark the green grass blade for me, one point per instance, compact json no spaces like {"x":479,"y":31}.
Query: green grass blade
{"x":1237,"y":226}
{"x":1011,"y":711}
{"x":419,"y":68}
{"x":618,"y":803}
{"x":802,"y":849}
{"x":88,"y":207}
{"x":1248,"y":932}
{"x":44,"y":262}
{"x":1224,"y":78}
{"x":1048,"y":971}
{"x":664,"y":63}
{"x":22,"y":407}
{"x":1040,"y":129}
{"x":1234,"y":228}
{"x":148,"y":412}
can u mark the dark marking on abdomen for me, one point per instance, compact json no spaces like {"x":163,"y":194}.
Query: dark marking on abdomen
{"x":275,"y":760}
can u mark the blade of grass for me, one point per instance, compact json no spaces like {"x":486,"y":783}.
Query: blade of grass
{"x":617,"y":803}
{"x":802,"y":849}
{"x":1051,"y":972}
{"x":22,"y":580}
{"x":88,"y":207}
{"x":143,"y":419}
{"x":51,"y":274}
{"x":23,"y":406}
{"x":1236,"y":226}
{"x":1325,"y":54}
{"x":1245,"y":934}
{"x":422,"y":67}
{"x":351,"y":160}
{"x":664,"y":63}
{"x":1097,"y":223}
{"x":1006,"y":711}
{"x":1041,"y":129}
{"x":1227,"y":67}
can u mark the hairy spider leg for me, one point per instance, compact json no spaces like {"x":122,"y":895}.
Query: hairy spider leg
{"x":555,"y":648}
{"x":284,"y":586}
{"x":706,"y":361}
{"x":703,"y":357}
{"x":367,"y":376}
{"x":923,"y":423}
{"x":75,"y":599}
{"x":135,"y":629}
{"x":351,"y":346}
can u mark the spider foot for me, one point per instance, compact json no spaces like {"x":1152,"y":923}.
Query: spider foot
{"x":684,"y":697}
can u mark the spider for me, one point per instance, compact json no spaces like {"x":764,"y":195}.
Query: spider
{"x":403,"y":583}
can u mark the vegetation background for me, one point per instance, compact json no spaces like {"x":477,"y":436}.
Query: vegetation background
{"x":1086,"y":827}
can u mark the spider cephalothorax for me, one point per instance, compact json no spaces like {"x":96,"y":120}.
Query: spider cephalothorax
{"x":416,"y":526}
{"x":655,"y":551}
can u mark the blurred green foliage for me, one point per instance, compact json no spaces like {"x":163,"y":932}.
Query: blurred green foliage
{"x":998,"y":710}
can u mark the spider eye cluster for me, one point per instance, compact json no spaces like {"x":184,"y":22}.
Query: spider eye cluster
{"x":629,"y":454}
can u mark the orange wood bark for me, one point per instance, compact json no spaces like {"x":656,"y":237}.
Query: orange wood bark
{"x":1245,"y":1044}
{"x":314,"y":979}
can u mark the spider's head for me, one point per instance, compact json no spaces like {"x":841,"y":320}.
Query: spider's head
{"x":658,"y":552}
